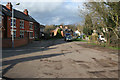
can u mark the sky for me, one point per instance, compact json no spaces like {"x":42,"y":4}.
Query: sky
{"x":49,"y":12}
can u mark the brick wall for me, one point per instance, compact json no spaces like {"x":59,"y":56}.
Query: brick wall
{"x":18,"y":27}
{"x":8,"y":27}
{"x":20,"y":42}
{"x":7,"y":43}
{"x":26,"y":27}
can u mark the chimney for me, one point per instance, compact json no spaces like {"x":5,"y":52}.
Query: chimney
{"x":26,"y":12}
{"x":9,"y":6}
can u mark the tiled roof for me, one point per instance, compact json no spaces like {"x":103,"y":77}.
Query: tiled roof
{"x":42,"y":26}
{"x":17,"y":14}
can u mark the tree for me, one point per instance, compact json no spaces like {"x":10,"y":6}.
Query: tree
{"x":80,"y":27}
{"x":48,"y":28}
{"x":107,"y":14}
{"x":88,"y":25}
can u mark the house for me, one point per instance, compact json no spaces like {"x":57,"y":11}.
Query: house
{"x":42,"y":31}
{"x":37,"y":31}
{"x":24,"y":27}
{"x":42,"y":28}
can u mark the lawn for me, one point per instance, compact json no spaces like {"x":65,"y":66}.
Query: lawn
{"x":78,"y":39}
{"x":102,"y":45}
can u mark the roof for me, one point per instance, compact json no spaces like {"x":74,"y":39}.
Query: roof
{"x":17,"y":14}
{"x":42,"y":26}
{"x":0,"y":10}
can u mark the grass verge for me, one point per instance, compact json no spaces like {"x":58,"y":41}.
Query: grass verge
{"x":102,"y":45}
{"x":78,"y":39}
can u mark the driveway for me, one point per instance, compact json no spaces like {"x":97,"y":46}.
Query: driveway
{"x":59,"y":59}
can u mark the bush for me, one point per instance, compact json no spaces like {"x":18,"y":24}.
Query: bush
{"x":84,"y":36}
{"x":89,"y":37}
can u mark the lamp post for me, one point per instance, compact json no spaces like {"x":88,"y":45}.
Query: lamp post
{"x":13,"y":26}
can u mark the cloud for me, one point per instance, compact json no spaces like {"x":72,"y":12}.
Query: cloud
{"x":56,"y":19}
{"x":66,"y":13}
{"x":38,"y":7}
{"x":52,"y":12}
{"x":32,"y":0}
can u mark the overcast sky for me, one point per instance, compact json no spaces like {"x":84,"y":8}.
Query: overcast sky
{"x":54,"y":12}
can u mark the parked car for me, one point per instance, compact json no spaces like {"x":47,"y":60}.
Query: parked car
{"x":101,"y":38}
{"x":68,"y":37}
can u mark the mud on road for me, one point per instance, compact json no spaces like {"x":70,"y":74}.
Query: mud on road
{"x":59,"y":59}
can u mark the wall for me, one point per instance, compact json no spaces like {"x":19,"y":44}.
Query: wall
{"x":26,"y":27}
{"x":7,"y":43}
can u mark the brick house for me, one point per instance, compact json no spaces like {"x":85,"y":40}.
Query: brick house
{"x":25,"y":27}
{"x":37,"y":30}
{"x":42,"y":28}
{"x":42,"y":31}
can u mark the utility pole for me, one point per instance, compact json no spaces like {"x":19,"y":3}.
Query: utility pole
{"x":13,"y":26}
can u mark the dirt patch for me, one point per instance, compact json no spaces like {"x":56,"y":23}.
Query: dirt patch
{"x":105,"y":63}
{"x":46,"y":60}
{"x":58,"y":67}
{"x":48,"y":63}
{"x":79,"y":61}
{"x":98,"y":47}
{"x":98,"y":74}
{"x":84,"y":66}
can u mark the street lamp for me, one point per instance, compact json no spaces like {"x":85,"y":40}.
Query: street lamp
{"x":13,"y":25}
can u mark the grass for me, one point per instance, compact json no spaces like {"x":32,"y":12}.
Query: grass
{"x":92,"y":43}
{"x":84,"y":41}
{"x":78,"y":39}
{"x":115,"y":48}
{"x":104,"y":45}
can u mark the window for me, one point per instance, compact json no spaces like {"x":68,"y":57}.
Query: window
{"x":21,"y":24}
{"x":31,"y":35}
{"x":31,"y":25}
{"x":14,"y":33}
{"x":41,"y":29}
{"x":21,"y":34}
{"x":14,"y":23}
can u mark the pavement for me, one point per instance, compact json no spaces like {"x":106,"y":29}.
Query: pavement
{"x":58,"y":59}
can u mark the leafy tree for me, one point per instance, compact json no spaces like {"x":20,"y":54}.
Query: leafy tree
{"x":88,"y":25}
{"x":107,"y":14}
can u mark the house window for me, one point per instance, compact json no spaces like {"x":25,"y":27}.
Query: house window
{"x":21,"y":24}
{"x":14,"y":33}
{"x":21,"y":34}
{"x":31,"y":35}
{"x":14,"y":23}
{"x":41,"y":29}
{"x":31,"y":25}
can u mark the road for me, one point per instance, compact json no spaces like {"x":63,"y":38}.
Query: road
{"x":59,"y":59}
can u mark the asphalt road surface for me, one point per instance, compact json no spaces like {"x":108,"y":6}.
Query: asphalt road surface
{"x":59,"y":59}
